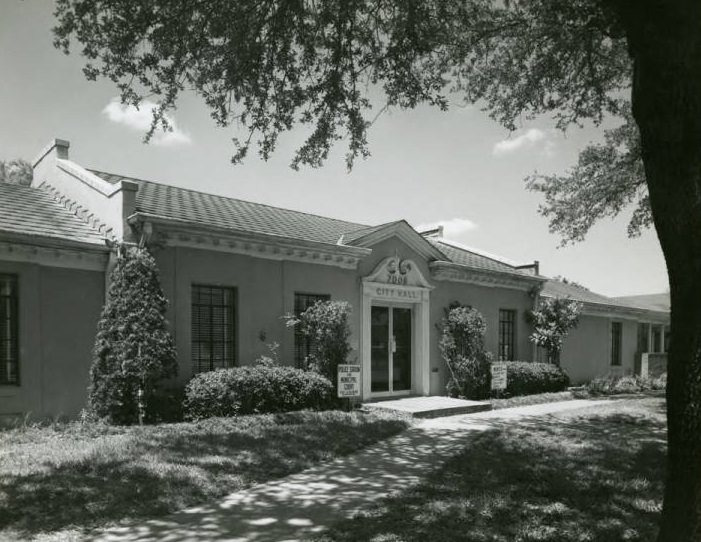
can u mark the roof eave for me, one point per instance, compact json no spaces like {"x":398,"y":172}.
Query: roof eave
{"x":53,"y":242}
{"x":619,"y":309}
{"x":456,"y":272}
{"x":196,"y":227}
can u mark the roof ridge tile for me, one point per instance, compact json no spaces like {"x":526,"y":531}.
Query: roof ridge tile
{"x":76,"y":210}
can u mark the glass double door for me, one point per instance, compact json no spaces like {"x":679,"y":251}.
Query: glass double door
{"x":390,"y":349}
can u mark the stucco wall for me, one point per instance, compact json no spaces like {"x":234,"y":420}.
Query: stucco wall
{"x":488,"y":301}
{"x":586,"y":352}
{"x":265,"y":292}
{"x":58,"y":313}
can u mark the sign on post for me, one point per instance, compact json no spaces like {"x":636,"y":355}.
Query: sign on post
{"x":348,"y":380}
{"x":498,"y":376}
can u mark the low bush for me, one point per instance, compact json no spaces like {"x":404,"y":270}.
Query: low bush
{"x":472,"y":378}
{"x":166,"y":405}
{"x":256,"y":389}
{"x":526,"y":378}
{"x":612,"y":384}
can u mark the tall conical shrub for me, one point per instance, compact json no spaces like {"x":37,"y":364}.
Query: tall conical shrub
{"x":134,"y":350}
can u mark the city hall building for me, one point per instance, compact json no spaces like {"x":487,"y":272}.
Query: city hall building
{"x":231,"y":269}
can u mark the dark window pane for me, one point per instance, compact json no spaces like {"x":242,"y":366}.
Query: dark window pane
{"x":9,"y":330}
{"x":616,"y":340}
{"x":213,"y":327}
{"x":304,"y":346}
{"x":507,"y":335}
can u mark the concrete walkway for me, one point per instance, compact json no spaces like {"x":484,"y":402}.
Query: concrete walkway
{"x":296,"y":507}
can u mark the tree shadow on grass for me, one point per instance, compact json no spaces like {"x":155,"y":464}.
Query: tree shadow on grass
{"x":584,"y":478}
{"x":150,"y":471}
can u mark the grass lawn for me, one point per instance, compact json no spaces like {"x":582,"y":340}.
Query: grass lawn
{"x":588,"y":475}
{"x":60,"y":481}
{"x":538,"y":398}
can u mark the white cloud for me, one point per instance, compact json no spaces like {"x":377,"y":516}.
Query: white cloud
{"x":453,"y":227}
{"x":140,"y":118}
{"x":526,"y":140}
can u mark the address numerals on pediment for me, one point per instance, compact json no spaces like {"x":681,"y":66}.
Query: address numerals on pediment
{"x":399,"y":272}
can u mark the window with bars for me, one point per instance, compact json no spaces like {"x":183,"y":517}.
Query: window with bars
{"x":616,"y":340}
{"x":9,"y":331}
{"x":304,"y":346}
{"x":213,"y":327}
{"x":507,"y":335}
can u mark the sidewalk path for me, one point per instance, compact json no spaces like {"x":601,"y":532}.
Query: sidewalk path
{"x":302,"y":504}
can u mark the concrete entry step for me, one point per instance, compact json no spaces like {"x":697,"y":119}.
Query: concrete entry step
{"x":430,"y":407}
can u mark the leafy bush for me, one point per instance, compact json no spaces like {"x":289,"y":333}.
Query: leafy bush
{"x":326,"y":323}
{"x":462,"y":347}
{"x":256,"y":389}
{"x":166,"y":405}
{"x":134,"y":350}
{"x":527,"y":378}
{"x":612,"y":385}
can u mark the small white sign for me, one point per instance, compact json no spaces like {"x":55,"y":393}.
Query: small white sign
{"x":498,"y":376}
{"x":348,"y":380}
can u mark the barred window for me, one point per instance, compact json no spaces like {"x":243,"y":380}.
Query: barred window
{"x":616,"y":339}
{"x":507,"y":335}
{"x":9,"y":331}
{"x":304,"y":346}
{"x":213,"y":327}
{"x":657,"y":338}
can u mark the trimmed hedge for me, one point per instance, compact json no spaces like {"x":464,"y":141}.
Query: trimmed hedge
{"x":255,"y":389}
{"x":611,"y":385}
{"x":474,"y":378}
{"x":527,"y":378}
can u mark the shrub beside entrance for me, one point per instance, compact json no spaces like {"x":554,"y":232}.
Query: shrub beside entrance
{"x":526,"y":378}
{"x":461,"y":345}
{"x":256,"y":389}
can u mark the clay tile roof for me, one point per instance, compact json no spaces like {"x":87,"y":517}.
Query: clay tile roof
{"x":26,"y":210}
{"x":465,"y":256}
{"x":555,"y":288}
{"x":653,"y":302}
{"x":229,"y":213}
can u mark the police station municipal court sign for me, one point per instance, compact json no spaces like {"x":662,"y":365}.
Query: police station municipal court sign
{"x":348,"y":380}
{"x":498,"y":376}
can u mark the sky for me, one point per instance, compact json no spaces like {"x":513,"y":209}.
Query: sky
{"x":457,"y":168}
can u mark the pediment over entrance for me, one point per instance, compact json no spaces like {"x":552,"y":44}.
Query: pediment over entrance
{"x":398,"y":272}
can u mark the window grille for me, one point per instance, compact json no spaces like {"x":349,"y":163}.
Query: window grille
{"x":9,"y":331}
{"x":213,"y":327}
{"x":616,"y":337}
{"x":507,"y":335}
{"x":304,"y":345}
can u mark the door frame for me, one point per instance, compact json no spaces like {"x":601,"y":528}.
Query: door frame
{"x":416,"y":298}
{"x":390,"y":355}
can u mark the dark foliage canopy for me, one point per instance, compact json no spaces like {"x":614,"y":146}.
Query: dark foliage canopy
{"x":270,"y":65}
{"x":16,"y":172}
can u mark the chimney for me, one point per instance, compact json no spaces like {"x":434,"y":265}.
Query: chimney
{"x":435,"y":233}
{"x":531,"y":268}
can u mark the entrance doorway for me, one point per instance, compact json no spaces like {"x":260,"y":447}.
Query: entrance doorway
{"x":390,"y":349}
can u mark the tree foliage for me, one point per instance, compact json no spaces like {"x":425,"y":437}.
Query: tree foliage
{"x":16,"y":172}
{"x":554,"y":318}
{"x":608,"y":178}
{"x":271,"y":65}
{"x":134,"y":350}
{"x":461,"y":344}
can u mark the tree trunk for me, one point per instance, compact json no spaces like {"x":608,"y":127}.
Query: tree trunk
{"x":664,"y":38}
